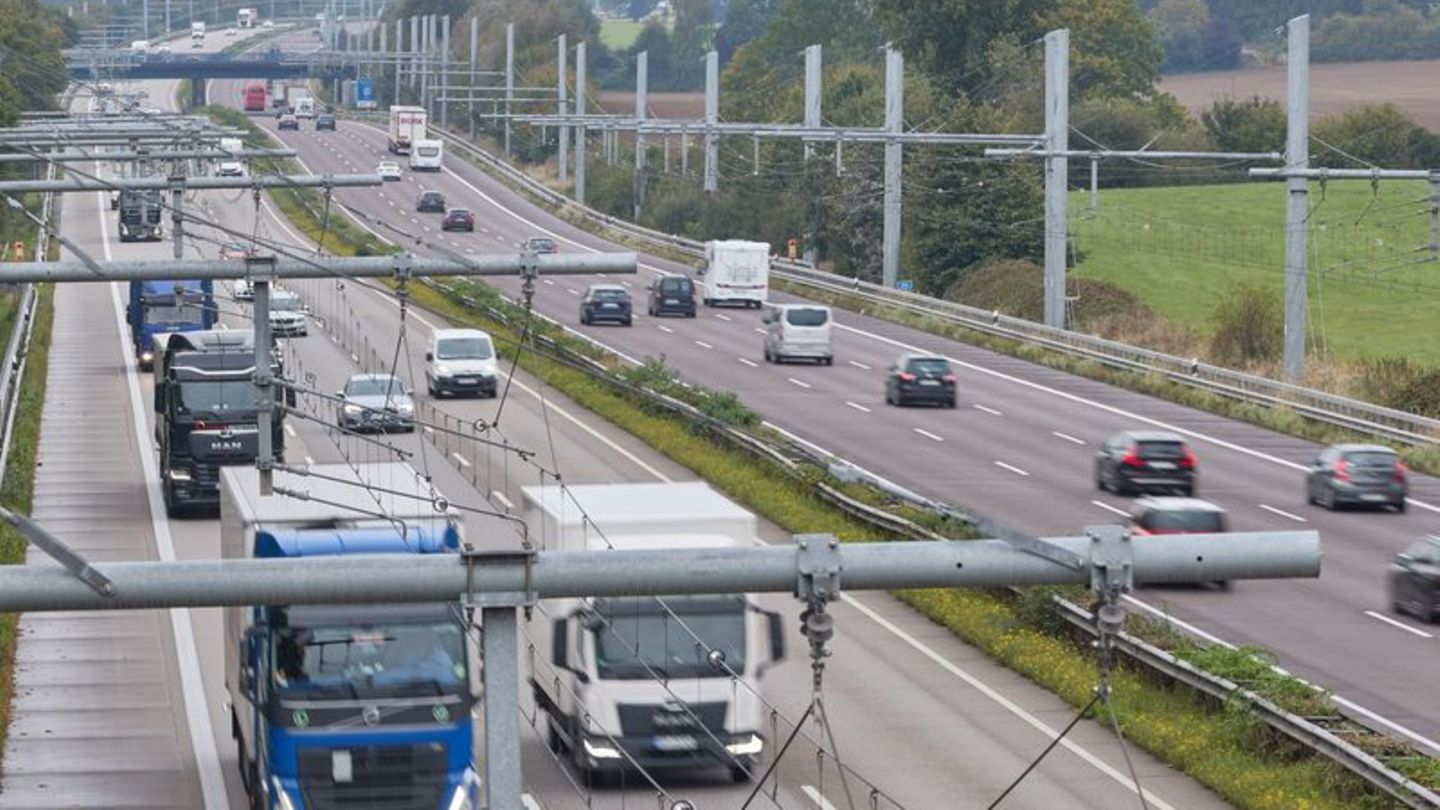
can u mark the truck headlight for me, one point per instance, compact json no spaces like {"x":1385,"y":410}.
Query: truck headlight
{"x":746,"y":747}
{"x":282,"y":799}
{"x":599,"y":750}
{"x":460,"y":799}
{"x":146,"y":357}
{"x":177,"y":474}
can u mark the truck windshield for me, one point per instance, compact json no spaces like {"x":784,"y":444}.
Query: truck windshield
{"x":217,"y":397}
{"x":372,"y":660}
{"x":639,"y":639}
{"x":170,"y":312}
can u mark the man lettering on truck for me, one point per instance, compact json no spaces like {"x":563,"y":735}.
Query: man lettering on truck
{"x":599,"y":681}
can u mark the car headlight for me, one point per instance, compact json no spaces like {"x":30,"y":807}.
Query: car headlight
{"x":599,"y":750}
{"x":353,"y":410}
{"x":746,"y":747}
{"x":405,"y":409}
{"x":442,"y":369}
{"x":146,"y":357}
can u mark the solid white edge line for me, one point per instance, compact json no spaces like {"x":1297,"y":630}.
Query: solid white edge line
{"x":1282,"y":513}
{"x":1004,"y":702}
{"x":1398,"y":624}
{"x":192,"y":683}
{"x":1111,"y":509}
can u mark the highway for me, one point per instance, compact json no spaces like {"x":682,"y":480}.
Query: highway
{"x":1018,"y":449}
{"x":926,"y":719}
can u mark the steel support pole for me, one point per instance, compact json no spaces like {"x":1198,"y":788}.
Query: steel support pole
{"x":265,"y":401}
{"x":563,"y":146}
{"x":177,"y":220}
{"x":1094,"y":185}
{"x":894,"y":124}
{"x":509,"y":81}
{"x":812,"y":92}
{"x":642,"y":104}
{"x":414,"y":53}
{"x":1434,"y":218}
{"x":712,"y":117}
{"x":1297,"y":198}
{"x":427,"y":46}
{"x":474,"y":62}
{"x":580,"y":130}
{"x":145,"y":20}
{"x":445,"y":68}
{"x":500,"y":651}
{"x":1057,"y":172}
{"x":399,"y":62}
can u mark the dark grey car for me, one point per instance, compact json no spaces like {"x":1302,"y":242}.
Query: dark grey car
{"x":1357,"y":475}
{"x":921,"y":378}
{"x":605,"y":302}
{"x":1415,"y":580}
{"x":1135,"y":461}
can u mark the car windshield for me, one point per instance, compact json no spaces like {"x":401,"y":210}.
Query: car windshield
{"x":1186,"y":521}
{"x":216,"y":397}
{"x":928,"y":365}
{"x":541,"y":242}
{"x":370,"y":660}
{"x":807,"y":316}
{"x":431,"y":197}
{"x":1371,"y":458}
{"x":608,"y":294}
{"x":375,"y":387}
{"x":675,"y":286}
{"x":639,"y":640}
{"x":1161,"y":450}
{"x":428,"y":151}
{"x":473,"y":348}
{"x":284,"y":303}
{"x":459,"y":212}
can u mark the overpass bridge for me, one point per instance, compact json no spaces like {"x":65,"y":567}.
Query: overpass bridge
{"x":116,"y":64}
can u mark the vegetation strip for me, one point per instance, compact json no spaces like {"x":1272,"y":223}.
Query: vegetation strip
{"x":1227,"y":748}
{"x":17,"y":486}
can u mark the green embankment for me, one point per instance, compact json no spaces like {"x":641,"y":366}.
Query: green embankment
{"x":1374,"y":284}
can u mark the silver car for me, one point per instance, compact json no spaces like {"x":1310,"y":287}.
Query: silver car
{"x":376,"y":402}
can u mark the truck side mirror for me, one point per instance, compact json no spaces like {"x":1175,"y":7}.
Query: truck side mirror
{"x":160,"y":396}
{"x":429,"y":357}
{"x":289,"y":397}
{"x":560,"y":650}
{"x":777,"y":636}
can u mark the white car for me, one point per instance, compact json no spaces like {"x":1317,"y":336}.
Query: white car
{"x":388,"y":170}
{"x":268,"y":24}
{"x":229,"y":32}
{"x":287,"y":314}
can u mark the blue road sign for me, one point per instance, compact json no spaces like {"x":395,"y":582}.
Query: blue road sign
{"x":905,"y":285}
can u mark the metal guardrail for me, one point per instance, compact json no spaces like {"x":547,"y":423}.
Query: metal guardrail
{"x":17,"y":347}
{"x":1345,"y":412}
{"x":1305,"y":732}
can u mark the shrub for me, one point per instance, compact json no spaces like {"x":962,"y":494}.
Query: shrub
{"x":1249,"y":327}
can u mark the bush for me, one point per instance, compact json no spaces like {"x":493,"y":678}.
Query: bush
{"x":1249,"y":327}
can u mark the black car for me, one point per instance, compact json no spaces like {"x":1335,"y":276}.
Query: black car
{"x":458,"y":219}
{"x":605,"y":302}
{"x":1145,"y":461}
{"x":325,"y":121}
{"x":1415,"y":580}
{"x":1357,"y":475}
{"x":920,"y":378}
{"x":288,"y":121}
{"x":430,"y":201}
{"x":673,"y":295}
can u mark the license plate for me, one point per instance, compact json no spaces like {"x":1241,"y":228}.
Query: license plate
{"x":672,"y":300}
{"x":609,"y":306}
{"x":465,"y":380}
{"x":1372,"y":496}
{"x":929,"y":382}
{"x":673,"y":742}
{"x":1162,"y":465}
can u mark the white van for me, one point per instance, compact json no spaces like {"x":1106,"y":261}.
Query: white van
{"x":798,"y":331}
{"x":461,"y":361}
{"x":231,"y":166}
{"x":427,"y":154}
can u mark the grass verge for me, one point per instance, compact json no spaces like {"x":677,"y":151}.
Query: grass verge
{"x":17,"y":487}
{"x":1223,"y":747}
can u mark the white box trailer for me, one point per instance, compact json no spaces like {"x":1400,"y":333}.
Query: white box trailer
{"x":597,"y":661}
{"x":407,"y":125}
{"x":736,"y":272}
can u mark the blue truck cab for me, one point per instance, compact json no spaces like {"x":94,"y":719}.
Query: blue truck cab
{"x":354,"y":705}
{"x":162,"y":307}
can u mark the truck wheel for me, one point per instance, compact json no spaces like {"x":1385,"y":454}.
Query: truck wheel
{"x":739,"y":775}
{"x":552,"y":739}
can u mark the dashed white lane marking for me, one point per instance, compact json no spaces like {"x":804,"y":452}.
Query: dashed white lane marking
{"x":702,"y":344}
{"x":1012,"y":468}
{"x":289,"y":430}
{"x":464,"y":462}
{"x":927,"y":434}
{"x":814,"y":795}
{"x":548,"y":281}
{"x":800,"y":383}
{"x":504,"y":501}
{"x":1282,"y":513}
{"x":857,"y":406}
{"x":1067,"y":437}
{"x":747,"y":361}
{"x":990,"y":411}
{"x":858,"y":364}
{"x":663,"y":328}
{"x":1112,"y":509}
{"x":1401,"y":625}
{"x":723,"y":317}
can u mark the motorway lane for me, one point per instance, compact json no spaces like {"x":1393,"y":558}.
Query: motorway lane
{"x":1046,"y":485}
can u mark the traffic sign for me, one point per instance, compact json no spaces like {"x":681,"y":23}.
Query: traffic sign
{"x":364,"y":94}
{"x":905,"y":285}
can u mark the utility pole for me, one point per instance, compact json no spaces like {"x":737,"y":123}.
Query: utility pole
{"x":445,"y":70}
{"x":580,"y":130}
{"x":1297,"y":197}
{"x":813,"y":74}
{"x":1057,"y":143}
{"x":414,"y":53}
{"x":145,"y":19}
{"x":642,"y":80}
{"x":894,"y":124}
{"x":563,"y":146}
{"x":712,"y":118}
{"x":509,"y":82}
{"x":399,"y":62}
{"x":474,"y":57}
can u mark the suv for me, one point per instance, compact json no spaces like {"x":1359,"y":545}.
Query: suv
{"x":458,"y":219}
{"x":1145,"y":461}
{"x":672,"y":295}
{"x":325,"y":121}
{"x":376,"y":402}
{"x":430,"y":201}
{"x":1357,"y":474}
{"x":288,"y":121}
{"x":1415,"y":580}
{"x":605,"y":302}
{"x":921,"y":378}
{"x":1152,"y":515}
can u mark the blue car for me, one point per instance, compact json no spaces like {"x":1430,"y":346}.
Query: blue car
{"x":605,"y":302}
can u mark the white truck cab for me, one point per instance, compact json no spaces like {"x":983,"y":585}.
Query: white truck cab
{"x":798,"y":332}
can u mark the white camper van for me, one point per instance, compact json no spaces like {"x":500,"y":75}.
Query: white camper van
{"x":736,"y":272}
